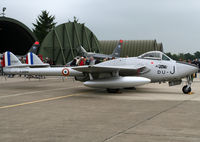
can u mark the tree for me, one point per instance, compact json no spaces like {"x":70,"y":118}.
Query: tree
{"x":181,"y":57}
{"x":188,"y":56}
{"x":197,"y":54}
{"x":44,"y":24}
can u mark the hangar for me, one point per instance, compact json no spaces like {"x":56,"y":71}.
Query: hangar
{"x":15,"y":36}
{"x":62,"y":44}
{"x":130,"y":48}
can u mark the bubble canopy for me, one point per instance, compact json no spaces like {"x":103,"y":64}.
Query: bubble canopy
{"x":155,"y":55}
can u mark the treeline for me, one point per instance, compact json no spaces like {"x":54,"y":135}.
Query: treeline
{"x":184,"y":57}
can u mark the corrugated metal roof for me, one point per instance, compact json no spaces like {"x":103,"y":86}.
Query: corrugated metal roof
{"x":130,"y":48}
{"x":63,"y":43}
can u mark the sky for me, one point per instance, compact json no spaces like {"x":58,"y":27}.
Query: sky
{"x":175,"y":23}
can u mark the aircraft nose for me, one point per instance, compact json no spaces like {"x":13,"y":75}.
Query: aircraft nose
{"x":195,"y":68}
{"x":192,"y":68}
{"x":187,"y":68}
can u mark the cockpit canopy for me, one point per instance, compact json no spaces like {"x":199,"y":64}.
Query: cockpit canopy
{"x":155,"y":55}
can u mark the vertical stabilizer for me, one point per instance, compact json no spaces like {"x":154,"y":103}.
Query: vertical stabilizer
{"x":9,"y":59}
{"x":117,"y":50}
{"x":35,"y":47}
{"x":34,"y":60}
{"x":84,"y":52}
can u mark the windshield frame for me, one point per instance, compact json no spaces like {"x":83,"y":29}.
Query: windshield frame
{"x":160,"y":57}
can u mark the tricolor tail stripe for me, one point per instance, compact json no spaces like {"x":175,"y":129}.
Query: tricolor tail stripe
{"x":3,"y":61}
{"x":31,"y":58}
{"x":7,"y":58}
{"x":26,"y":59}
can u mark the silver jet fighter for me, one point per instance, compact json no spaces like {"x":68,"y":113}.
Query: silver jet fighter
{"x":119,"y":73}
{"x":153,"y":66}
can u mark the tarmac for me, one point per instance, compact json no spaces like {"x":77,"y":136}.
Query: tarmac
{"x":64,"y":110}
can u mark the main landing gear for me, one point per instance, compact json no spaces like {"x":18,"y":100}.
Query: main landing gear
{"x":113,"y":90}
{"x":187,"y":88}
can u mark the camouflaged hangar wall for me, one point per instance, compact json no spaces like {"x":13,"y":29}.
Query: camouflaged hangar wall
{"x":63,"y":43}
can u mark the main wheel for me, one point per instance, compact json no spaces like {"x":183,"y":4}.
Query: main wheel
{"x":130,"y":88}
{"x":112,"y":90}
{"x":186,"y":89}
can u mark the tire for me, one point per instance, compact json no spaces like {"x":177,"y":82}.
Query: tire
{"x":112,"y":90}
{"x":185,"y":90}
{"x":130,"y":88}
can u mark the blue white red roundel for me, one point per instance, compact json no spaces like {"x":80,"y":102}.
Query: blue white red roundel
{"x":65,"y":72}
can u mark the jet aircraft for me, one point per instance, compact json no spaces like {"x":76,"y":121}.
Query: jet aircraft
{"x":115,"y":53}
{"x":150,"y":67}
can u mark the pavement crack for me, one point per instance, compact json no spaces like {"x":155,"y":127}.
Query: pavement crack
{"x":157,"y":135}
{"x":147,"y":119}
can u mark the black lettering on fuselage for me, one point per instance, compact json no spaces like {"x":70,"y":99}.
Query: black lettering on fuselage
{"x":172,"y":72}
{"x":161,"y":72}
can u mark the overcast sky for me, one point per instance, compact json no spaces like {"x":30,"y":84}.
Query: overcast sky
{"x":175,"y":23}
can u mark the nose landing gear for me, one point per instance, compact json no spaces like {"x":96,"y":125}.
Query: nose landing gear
{"x":113,"y":90}
{"x":187,"y":88}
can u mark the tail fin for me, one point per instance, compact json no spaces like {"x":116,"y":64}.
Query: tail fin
{"x":117,"y":50}
{"x":9,"y":59}
{"x":82,"y":51}
{"x":34,"y":48}
{"x":34,"y":60}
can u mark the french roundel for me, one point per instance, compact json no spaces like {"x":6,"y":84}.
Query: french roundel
{"x":65,"y":72}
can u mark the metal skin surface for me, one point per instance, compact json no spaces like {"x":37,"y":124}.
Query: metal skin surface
{"x":119,"y":73}
{"x":173,"y":71}
{"x":34,"y":61}
{"x":118,"y":82}
{"x":56,"y":71}
{"x":34,"y":67}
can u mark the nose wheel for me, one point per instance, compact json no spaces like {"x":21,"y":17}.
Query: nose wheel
{"x":187,"y":88}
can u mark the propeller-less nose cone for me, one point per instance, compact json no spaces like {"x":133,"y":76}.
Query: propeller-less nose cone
{"x":186,"y":68}
{"x":192,"y":68}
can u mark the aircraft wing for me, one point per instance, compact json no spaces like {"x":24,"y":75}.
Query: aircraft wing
{"x":127,"y":70}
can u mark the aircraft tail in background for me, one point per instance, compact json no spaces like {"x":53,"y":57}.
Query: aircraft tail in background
{"x":34,"y":48}
{"x":117,"y":50}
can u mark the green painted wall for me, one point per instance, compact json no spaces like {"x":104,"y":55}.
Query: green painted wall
{"x":62,"y":44}
{"x":130,"y":48}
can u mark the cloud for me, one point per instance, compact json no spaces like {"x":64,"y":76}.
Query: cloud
{"x":173,"y":22}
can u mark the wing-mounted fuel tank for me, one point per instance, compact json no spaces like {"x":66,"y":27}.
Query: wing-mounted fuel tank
{"x":117,"y":82}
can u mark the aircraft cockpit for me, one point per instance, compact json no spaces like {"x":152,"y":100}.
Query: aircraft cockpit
{"x":155,"y":55}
